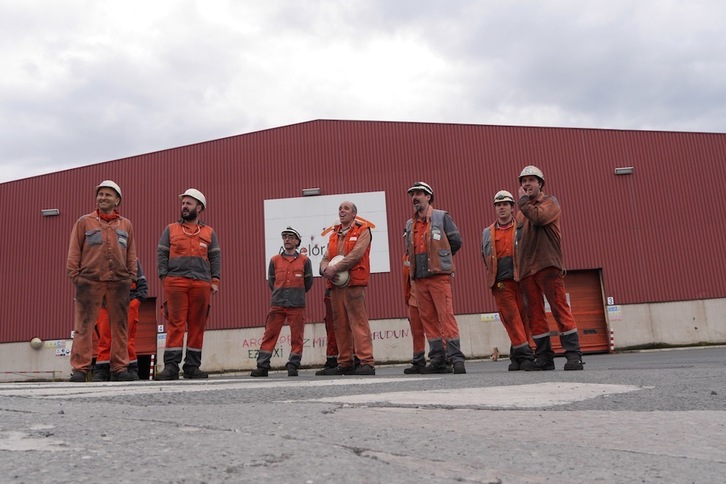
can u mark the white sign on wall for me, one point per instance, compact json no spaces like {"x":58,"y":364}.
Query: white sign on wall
{"x":312,"y":215}
{"x":615,"y":313}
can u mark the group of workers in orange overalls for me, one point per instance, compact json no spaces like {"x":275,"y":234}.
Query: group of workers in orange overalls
{"x":521,"y":252}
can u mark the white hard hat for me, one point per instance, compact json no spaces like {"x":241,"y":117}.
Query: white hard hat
{"x":294,"y":233}
{"x":110,"y":184}
{"x":343,"y":276}
{"x":533,"y":171}
{"x":424,"y":187}
{"x":503,"y":196}
{"x":291,"y":231}
{"x":196,"y":195}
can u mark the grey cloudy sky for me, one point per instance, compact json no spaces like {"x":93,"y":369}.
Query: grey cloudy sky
{"x":87,"y":81}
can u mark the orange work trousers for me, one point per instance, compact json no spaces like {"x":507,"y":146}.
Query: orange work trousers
{"x":352,"y":331}
{"x":511,"y":308}
{"x":187,"y":309}
{"x":275,"y":320}
{"x":436,"y":307}
{"x":331,"y":348}
{"x":550,"y":282}
{"x":104,"y":333}
{"x":89,"y":298}
{"x":417,"y":331}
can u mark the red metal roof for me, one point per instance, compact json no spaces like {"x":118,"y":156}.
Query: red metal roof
{"x":656,"y":234}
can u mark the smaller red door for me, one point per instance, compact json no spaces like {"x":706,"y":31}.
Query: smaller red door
{"x":146,"y":331}
{"x":585,"y":296}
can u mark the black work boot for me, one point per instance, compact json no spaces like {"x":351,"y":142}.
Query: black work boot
{"x":168,"y":373}
{"x":418,"y":362}
{"x":437,"y":359}
{"x":258,"y":372}
{"x":544,"y":357}
{"x":330,"y":362}
{"x":414,"y":369}
{"x":513,"y":360}
{"x":78,"y":377}
{"x":124,"y":375}
{"x":172,"y":359}
{"x":528,"y":365}
{"x":134,"y":369}
{"x":291,"y":369}
{"x":574,"y":361}
{"x":435,"y":366}
{"x":544,"y":364}
{"x":454,"y":355}
{"x":340,"y":370}
{"x":194,"y":373}
{"x":524,"y":358}
{"x":101,"y":372}
{"x":571,"y":343}
{"x":365,"y":370}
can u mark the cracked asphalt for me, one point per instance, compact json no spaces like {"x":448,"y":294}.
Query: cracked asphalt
{"x":655,"y":416}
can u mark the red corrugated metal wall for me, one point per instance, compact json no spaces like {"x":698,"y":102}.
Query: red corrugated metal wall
{"x":655,"y":234}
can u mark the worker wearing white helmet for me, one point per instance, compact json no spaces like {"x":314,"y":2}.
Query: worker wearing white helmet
{"x":498,"y":249}
{"x":189,"y":264}
{"x":541,"y":271}
{"x":196,"y":195}
{"x":112,"y":185}
{"x":432,"y":239}
{"x":102,"y":265}
{"x":290,"y":277}
{"x":532,"y":170}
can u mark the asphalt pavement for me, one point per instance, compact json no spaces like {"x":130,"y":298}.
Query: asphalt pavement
{"x":657,"y":416}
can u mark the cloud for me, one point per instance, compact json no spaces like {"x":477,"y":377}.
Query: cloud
{"x":90,"y":81}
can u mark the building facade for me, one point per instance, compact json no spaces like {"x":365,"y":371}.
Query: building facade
{"x":643,"y":242}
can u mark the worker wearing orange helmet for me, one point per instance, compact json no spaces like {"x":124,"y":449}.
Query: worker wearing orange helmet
{"x":189,"y":263}
{"x":541,"y":271}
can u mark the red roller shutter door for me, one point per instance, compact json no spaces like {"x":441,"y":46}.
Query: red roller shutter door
{"x":584,"y":290}
{"x":145,"y":331}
